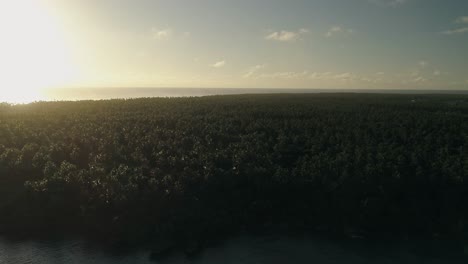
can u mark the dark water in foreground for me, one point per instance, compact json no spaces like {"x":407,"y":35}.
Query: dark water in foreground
{"x":246,"y":250}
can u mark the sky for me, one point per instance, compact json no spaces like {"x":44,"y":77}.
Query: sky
{"x":335,"y":44}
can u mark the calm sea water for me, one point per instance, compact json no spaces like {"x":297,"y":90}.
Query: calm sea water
{"x":113,"y":93}
{"x":245,"y":250}
{"x":73,"y":94}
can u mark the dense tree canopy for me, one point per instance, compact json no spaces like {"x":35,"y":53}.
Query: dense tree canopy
{"x":193,"y":168}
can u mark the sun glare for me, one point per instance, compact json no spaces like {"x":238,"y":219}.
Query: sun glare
{"x":33,"y":51}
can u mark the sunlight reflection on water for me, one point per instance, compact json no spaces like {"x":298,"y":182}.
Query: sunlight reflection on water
{"x":21,"y":97}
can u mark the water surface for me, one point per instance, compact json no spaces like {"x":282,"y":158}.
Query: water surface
{"x":116,"y":93}
{"x":246,"y":250}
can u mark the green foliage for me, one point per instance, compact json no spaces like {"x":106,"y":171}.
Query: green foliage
{"x":199,"y":167}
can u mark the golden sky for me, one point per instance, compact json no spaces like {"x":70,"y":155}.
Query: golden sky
{"x":397,"y":44}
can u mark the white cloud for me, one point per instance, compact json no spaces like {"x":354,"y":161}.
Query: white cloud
{"x":285,"y":75}
{"x":338,"y":30}
{"x":320,"y":75}
{"x":344,"y":76}
{"x":407,"y":79}
{"x":462,"y":20}
{"x":456,"y":31}
{"x":218,"y":64}
{"x":462,"y":30}
{"x":168,"y":34}
{"x":419,"y":79}
{"x":287,"y":36}
{"x":424,"y":73}
{"x":415,"y":73}
{"x":164,"y":34}
{"x":254,"y":69}
{"x":423,"y":64}
{"x":428,"y":76}
{"x":425,"y":69}
{"x":392,"y":3}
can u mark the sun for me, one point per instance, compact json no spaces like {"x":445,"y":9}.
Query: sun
{"x":33,"y":51}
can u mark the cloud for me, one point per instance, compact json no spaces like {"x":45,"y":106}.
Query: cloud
{"x":419,"y":79}
{"x":324,"y":76}
{"x":415,"y":73}
{"x":462,"y":30}
{"x":456,"y":31}
{"x":392,"y":3}
{"x":285,"y":75}
{"x":308,"y":75}
{"x":423,"y":64}
{"x":345,"y":76}
{"x":427,"y":77}
{"x":424,"y":75}
{"x":168,"y":34}
{"x":338,"y":30}
{"x":320,"y":75}
{"x":218,"y":64}
{"x":287,"y":36}
{"x":254,"y":69}
{"x":462,"y":20}
{"x":164,"y":34}
{"x":425,"y":72}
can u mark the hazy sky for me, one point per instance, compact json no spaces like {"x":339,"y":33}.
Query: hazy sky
{"x":408,"y":44}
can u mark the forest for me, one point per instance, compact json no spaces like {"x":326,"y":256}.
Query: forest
{"x":192,"y":170}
